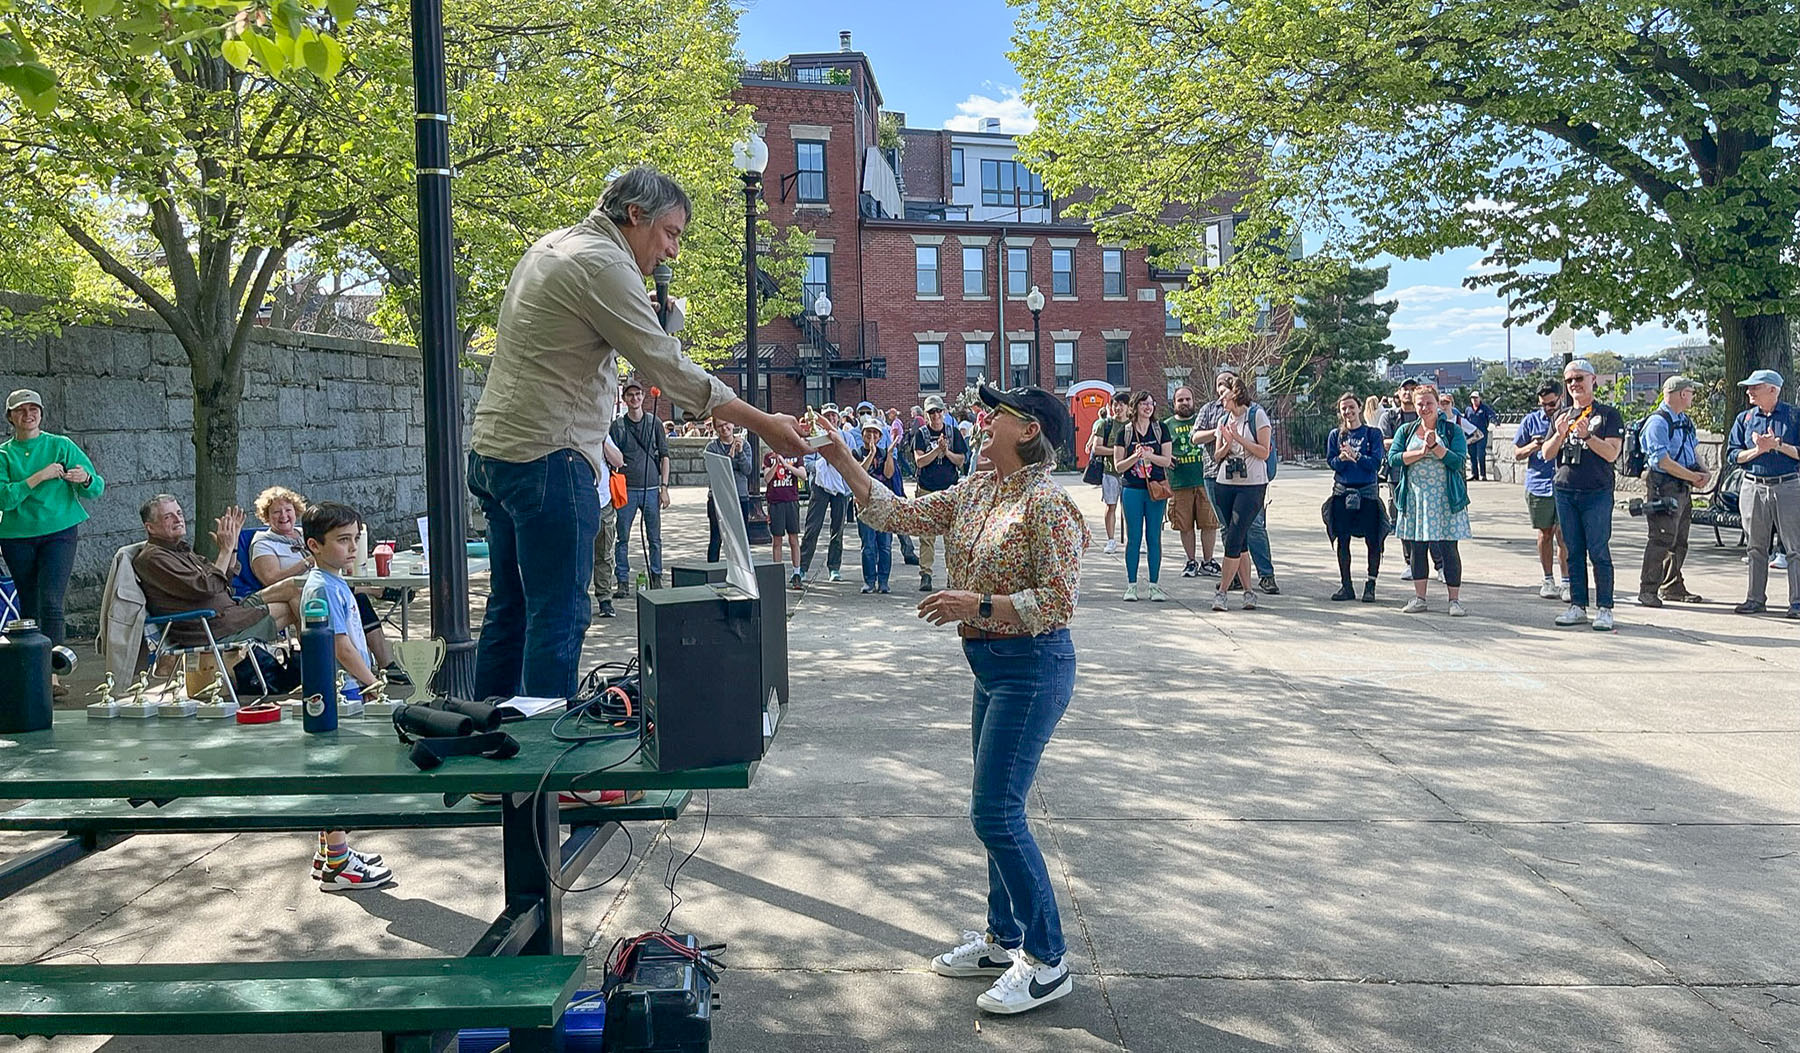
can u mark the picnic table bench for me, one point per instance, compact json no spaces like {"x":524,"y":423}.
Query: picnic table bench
{"x":81,"y":774}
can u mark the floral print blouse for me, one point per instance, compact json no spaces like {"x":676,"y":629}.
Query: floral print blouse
{"x":1021,"y":537}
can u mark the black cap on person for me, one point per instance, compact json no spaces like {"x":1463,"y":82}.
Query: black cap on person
{"x":1049,"y":410}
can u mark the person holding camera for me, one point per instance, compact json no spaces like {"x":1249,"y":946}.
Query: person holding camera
{"x":1146,"y":452}
{"x":1672,"y":473}
{"x":1241,"y":451}
{"x":1584,"y":441}
{"x":1354,"y":452}
{"x":1765,"y":439}
{"x":1431,"y":496}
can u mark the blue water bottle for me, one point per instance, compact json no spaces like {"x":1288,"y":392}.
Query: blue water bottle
{"x":318,"y":668}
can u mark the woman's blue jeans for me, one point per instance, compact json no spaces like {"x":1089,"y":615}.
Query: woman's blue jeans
{"x":40,"y":568}
{"x":1143,"y":520}
{"x":1022,"y":687}
{"x":542,"y":517}
{"x":877,"y":554}
{"x":1585,"y":517}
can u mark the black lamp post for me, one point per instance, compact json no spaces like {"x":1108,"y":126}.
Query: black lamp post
{"x":446,"y":494}
{"x":751,"y":157}
{"x":1034,"y":302}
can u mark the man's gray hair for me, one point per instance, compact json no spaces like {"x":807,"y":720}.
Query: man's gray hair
{"x":148,"y":509}
{"x":651,"y":191}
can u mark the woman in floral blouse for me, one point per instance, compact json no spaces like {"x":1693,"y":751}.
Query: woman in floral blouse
{"x":1426,"y":462}
{"x":1014,"y":541}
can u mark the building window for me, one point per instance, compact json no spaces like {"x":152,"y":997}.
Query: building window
{"x":809,"y":162}
{"x":1115,"y":363}
{"x":956,"y":166}
{"x":1215,"y":244}
{"x":1019,"y":368}
{"x":811,"y":74}
{"x":1062,"y":272}
{"x":974,"y":363}
{"x":974,"y":271}
{"x":1010,"y":184}
{"x":931,"y":367}
{"x":1264,"y":317}
{"x":1171,"y":320}
{"x":957,"y":213}
{"x":1018,"y":271}
{"x":815,"y":280}
{"x":1112,"y":267}
{"x":1065,"y":363}
{"x":928,"y":283}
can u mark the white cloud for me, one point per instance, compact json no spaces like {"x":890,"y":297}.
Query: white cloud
{"x":1016,"y":118}
{"x":1419,"y":295}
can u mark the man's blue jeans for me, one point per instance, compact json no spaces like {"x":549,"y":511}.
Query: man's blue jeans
{"x":649,"y":503}
{"x":1259,"y":533}
{"x":877,"y":554}
{"x":1022,"y":687}
{"x":1586,"y":520}
{"x":542,"y":516}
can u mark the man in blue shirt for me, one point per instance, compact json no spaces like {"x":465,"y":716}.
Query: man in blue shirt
{"x":1481,"y":415}
{"x":1765,"y":439}
{"x":1540,"y":489}
{"x":1672,"y":472}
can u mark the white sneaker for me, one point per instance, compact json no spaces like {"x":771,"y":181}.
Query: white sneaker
{"x":1416,"y":605}
{"x":835,"y":576}
{"x":356,"y":875}
{"x":1249,"y":599}
{"x":1573,"y":616}
{"x":1457,"y":610}
{"x":1112,"y":545}
{"x":1565,"y":593}
{"x":1603,"y":620}
{"x":1219,"y":600}
{"x":1027,"y":985}
{"x":1548,"y":589}
{"x":1131,"y":593}
{"x":1778,"y":561}
{"x":977,"y":955}
{"x":1157,"y":595}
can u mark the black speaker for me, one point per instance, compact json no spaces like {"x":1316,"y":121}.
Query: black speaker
{"x":771,"y":613}
{"x":700,"y":671}
{"x":684,"y":574}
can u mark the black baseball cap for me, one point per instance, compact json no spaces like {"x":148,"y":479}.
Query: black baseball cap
{"x":1035,"y":402}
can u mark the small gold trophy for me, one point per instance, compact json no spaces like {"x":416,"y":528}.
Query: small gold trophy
{"x":108,"y":706}
{"x":135,"y":707}
{"x":211,"y":706}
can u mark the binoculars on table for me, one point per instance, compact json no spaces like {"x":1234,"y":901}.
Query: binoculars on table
{"x":446,"y":718}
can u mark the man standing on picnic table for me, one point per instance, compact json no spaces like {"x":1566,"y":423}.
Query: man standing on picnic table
{"x":575,"y":302}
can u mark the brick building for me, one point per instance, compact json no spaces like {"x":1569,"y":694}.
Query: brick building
{"x":926,"y":249}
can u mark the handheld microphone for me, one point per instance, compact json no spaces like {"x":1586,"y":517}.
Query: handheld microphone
{"x":661,"y":275}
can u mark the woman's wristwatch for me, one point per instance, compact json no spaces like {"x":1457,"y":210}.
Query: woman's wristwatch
{"x":986,"y":610}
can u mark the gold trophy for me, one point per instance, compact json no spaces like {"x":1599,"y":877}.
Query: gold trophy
{"x":108,"y":706}
{"x":375,"y":700}
{"x":135,"y":707}
{"x":211,"y":705}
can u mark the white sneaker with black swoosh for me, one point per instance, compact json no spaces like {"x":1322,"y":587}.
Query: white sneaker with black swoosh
{"x":977,"y":955}
{"x":1027,"y":985}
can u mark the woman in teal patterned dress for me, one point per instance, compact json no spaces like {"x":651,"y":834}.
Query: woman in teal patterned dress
{"x":1426,"y":460}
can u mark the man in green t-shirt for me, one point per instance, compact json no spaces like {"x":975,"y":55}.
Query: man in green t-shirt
{"x":1190,"y":508}
{"x":1104,"y":443}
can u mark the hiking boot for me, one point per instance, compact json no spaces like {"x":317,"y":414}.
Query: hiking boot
{"x":1369,"y":591}
{"x":1267,"y":584}
{"x":925,"y":581}
{"x":1027,"y":985}
{"x":977,"y":955}
{"x":1344,"y":592}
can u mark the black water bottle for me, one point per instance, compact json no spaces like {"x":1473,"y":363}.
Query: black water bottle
{"x":318,"y":669}
{"x":24,"y":678}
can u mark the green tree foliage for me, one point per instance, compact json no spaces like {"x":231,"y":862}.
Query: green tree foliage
{"x":1341,"y":333}
{"x":1621,"y":162}
{"x":188,"y":179}
{"x":1510,"y":393}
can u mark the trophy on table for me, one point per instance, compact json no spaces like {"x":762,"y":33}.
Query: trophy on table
{"x":135,"y":707}
{"x":175,"y":703}
{"x":375,"y":701}
{"x":350,"y":698}
{"x":108,"y":706}
{"x":420,"y":659}
{"x":211,"y":705}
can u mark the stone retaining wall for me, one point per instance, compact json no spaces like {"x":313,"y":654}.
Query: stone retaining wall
{"x":333,"y":418}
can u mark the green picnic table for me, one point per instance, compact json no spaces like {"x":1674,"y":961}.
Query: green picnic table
{"x":321,"y":778}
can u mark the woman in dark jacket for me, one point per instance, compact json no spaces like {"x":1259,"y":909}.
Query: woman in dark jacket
{"x":1354,"y":451}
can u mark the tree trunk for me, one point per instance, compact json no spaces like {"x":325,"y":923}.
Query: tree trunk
{"x":1752,"y":342}
{"x":216,"y":422}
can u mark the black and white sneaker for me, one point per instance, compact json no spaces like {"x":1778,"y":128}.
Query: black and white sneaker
{"x":977,"y":955}
{"x":1027,"y":985}
{"x":1211,"y":568}
{"x":1192,"y":570}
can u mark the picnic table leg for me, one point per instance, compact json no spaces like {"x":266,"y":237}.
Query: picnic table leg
{"x":530,"y":826}
{"x":405,"y":610}
{"x":413,"y":1042}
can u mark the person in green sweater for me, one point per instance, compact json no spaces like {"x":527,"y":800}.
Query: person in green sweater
{"x":43,"y":480}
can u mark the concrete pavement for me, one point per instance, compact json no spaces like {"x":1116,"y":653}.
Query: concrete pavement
{"x":1315,"y":826}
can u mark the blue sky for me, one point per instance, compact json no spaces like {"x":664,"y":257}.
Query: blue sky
{"x":944,"y":65}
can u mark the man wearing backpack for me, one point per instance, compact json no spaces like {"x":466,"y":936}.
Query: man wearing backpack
{"x":1672,"y":470}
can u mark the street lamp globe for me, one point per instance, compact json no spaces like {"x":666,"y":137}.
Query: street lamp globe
{"x":1034,"y":300}
{"x":751,"y":156}
{"x":822,"y":307}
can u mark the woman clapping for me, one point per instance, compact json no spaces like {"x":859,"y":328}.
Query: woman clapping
{"x":1354,"y":452}
{"x":1241,"y":452}
{"x":1426,"y":463}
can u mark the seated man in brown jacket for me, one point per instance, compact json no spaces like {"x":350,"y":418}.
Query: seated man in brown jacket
{"x":175,"y":578}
